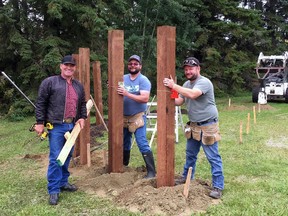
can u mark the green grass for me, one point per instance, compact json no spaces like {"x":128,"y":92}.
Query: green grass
{"x":256,"y":173}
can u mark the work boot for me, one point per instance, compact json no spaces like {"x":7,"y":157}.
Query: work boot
{"x":216,"y":193}
{"x":69,"y":187}
{"x":150,"y":165}
{"x":126,"y":157}
{"x":180,"y":180}
{"x":53,"y":199}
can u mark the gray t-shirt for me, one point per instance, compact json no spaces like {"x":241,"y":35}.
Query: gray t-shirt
{"x":204,"y":107}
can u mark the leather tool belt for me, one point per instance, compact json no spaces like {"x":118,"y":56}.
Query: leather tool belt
{"x":134,"y":122}
{"x":209,"y":134}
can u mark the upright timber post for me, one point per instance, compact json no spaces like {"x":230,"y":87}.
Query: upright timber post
{"x":166,"y":36}
{"x":115,"y":101}
{"x":97,"y":90}
{"x":76,"y":152}
{"x":84,"y":76}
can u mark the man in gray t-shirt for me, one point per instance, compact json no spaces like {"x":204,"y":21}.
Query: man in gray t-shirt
{"x":203,"y":130}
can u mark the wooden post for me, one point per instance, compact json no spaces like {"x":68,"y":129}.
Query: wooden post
{"x":240,"y":133}
{"x":254,"y":113}
{"x":88,"y":155}
{"x":166,"y":37}
{"x":104,"y":158}
{"x":229,"y":102}
{"x":187,"y":183}
{"x":76,"y":152}
{"x":115,"y":101}
{"x":99,"y":114}
{"x":84,"y":77}
{"x":97,"y":91}
{"x":248,"y":124}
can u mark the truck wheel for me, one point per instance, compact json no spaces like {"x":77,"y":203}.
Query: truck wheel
{"x":255,"y":92}
{"x":286,"y":96}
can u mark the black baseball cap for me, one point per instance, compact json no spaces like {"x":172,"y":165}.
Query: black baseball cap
{"x":135,"y":57}
{"x":191,"y":61}
{"x":68,"y":59}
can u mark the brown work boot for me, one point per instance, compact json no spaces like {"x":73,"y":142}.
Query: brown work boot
{"x":216,"y":193}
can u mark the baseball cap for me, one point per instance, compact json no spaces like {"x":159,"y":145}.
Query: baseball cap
{"x":191,"y":61}
{"x":68,"y":59}
{"x":135,"y":57}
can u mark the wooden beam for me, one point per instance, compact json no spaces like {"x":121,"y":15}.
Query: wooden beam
{"x":71,"y":139}
{"x":115,"y":101}
{"x":84,"y":77}
{"x":98,"y":91}
{"x":166,"y":36}
{"x":76,"y":152}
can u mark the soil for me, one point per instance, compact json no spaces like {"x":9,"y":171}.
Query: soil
{"x":130,"y":190}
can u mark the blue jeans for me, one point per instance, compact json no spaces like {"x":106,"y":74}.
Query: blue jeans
{"x":57,"y":176}
{"x":140,"y":136}
{"x":213,"y":156}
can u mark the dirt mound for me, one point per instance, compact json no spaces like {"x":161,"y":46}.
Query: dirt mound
{"x":129,"y":190}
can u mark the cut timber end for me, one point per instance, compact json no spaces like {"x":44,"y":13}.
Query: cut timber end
{"x":67,"y":135}
{"x":89,"y":105}
{"x":59,"y":162}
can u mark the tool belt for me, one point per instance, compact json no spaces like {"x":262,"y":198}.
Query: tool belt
{"x":134,"y":122}
{"x":68,"y":120}
{"x":208,"y":133}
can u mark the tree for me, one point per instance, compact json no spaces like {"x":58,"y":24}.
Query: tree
{"x":225,"y":35}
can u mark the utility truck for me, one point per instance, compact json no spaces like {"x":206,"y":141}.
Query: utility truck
{"x":272,"y":74}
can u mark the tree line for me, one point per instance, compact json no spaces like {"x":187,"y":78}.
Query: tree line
{"x":225,"y":35}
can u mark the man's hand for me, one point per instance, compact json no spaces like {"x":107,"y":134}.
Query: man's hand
{"x":169,"y":82}
{"x":122,"y":91}
{"x":39,"y":128}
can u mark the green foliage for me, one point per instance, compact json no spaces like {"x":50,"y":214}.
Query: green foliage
{"x":226,"y":36}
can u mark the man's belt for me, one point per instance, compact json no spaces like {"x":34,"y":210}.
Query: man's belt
{"x":68,"y":120}
{"x":207,"y":121}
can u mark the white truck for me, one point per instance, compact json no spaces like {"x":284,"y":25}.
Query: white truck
{"x":272,"y":73}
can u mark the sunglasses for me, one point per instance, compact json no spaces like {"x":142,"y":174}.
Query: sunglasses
{"x":190,"y":62}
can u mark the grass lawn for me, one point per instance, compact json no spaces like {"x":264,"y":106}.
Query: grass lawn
{"x":256,"y":173}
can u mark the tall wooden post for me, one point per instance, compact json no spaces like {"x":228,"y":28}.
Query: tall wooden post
{"x":166,"y":36}
{"x":84,"y":77}
{"x":76,"y":152}
{"x":98,"y":90}
{"x":115,"y":101}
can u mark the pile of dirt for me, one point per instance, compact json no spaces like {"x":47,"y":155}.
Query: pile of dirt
{"x":131,"y":191}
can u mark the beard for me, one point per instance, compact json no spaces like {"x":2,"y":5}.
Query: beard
{"x":192,"y":77}
{"x":134,"y":72}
